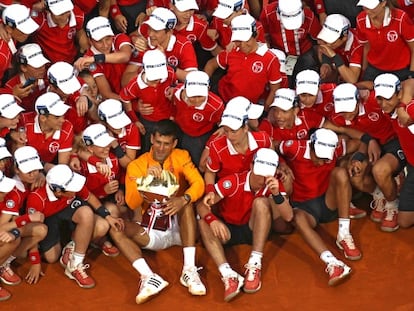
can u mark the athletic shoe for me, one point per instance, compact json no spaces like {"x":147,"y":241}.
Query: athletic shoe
{"x":378,"y":209}
{"x":150,"y":286}
{"x":67,"y":252}
{"x":4,"y":294}
{"x":347,"y":244}
{"x":390,"y":221}
{"x":232,"y":285}
{"x":79,"y":275}
{"x":252,"y":276}
{"x":110,"y":250}
{"x":8,"y":276}
{"x":355,"y":212}
{"x":337,"y":272}
{"x":191,"y":279}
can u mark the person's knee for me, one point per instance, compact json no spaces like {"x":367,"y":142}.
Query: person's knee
{"x":84,"y":214}
{"x":40,"y":231}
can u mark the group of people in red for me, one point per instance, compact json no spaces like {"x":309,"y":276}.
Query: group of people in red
{"x":267,"y":117}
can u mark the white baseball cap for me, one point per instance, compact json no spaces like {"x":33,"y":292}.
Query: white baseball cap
{"x":265,"y":162}
{"x":27,"y":159}
{"x":58,"y":7}
{"x":370,"y":4}
{"x":386,"y":85}
{"x":334,"y":27}
{"x":345,"y":97}
{"x":6,"y":184}
{"x":281,"y":56}
{"x":307,"y":81}
{"x":234,"y":117}
{"x":98,"y":28}
{"x":161,"y":18}
{"x":242,"y":27}
{"x":62,"y":75}
{"x":51,"y":103}
{"x":325,"y":142}
{"x":291,"y":13}
{"x":61,"y":177}
{"x":97,"y":134}
{"x":254,"y":111}
{"x":111,"y":112}
{"x":185,"y":5}
{"x":4,"y":152}
{"x":155,"y":65}
{"x":284,"y":99}
{"x":31,"y":54}
{"x":18,"y":16}
{"x":9,"y":108}
{"x":197,"y":83}
{"x":226,"y":7}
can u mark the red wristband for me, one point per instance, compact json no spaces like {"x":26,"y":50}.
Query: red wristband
{"x":74,"y":155}
{"x":94,"y":160}
{"x":114,"y":11}
{"x":34,"y":257}
{"x":132,"y":115}
{"x":209,"y":218}
{"x":209,"y":188}
{"x":22,"y":220}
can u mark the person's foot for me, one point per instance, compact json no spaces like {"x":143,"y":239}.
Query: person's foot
{"x":7,"y":276}
{"x":355,"y":212}
{"x":337,"y":272}
{"x":378,"y":210}
{"x":79,"y":275}
{"x":232,"y":285}
{"x":150,"y":285}
{"x":252,"y":275}
{"x":191,"y":279}
{"x":347,"y":244}
{"x":67,"y":252}
{"x":389,"y":222}
{"x":108,"y":249}
{"x":4,"y":294}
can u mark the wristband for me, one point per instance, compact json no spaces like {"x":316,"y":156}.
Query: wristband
{"x":278,"y":199}
{"x":326,"y":59}
{"x":114,"y":10}
{"x":337,"y":60}
{"x":132,"y":115}
{"x":34,"y":257}
{"x":119,"y":153}
{"x":15,"y":232}
{"x":358,"y":156}
{"x":74,"y":155}
{"x":22,"y":220}
{"x":209,"y":188}
{"x":209,"y":218}
{"x":99,"y":58}
{"x":94,"y":160}
{"x":102,"y":211}
{"x":366,"y":138}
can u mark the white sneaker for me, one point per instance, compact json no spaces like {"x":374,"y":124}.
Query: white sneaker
{"x":191,"y":279}
{"x":150,"y":286}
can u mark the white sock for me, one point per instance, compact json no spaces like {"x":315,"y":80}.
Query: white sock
{"x":255,"y":258}
{"x":343,"y":227}
{"x":226,"y":270}
{"x":327,"y":257}
{"x":142,"y":267}
{"x":189,"y":256}
{"x":77,"y":259}
{"x":9,"y":260}
{"x":393,"y":203}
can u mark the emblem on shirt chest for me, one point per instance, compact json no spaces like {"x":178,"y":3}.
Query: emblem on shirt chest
{"x":226,"y":184}
{"x":373,"y":116}
{"x":198,"y":117}
{"x":302,"y":134}
{"x":257,"y":67}
{"x":191,"y":37}
{"x":172,"y":61}
{"x":71,"y":33}
{"x":54,"y":147}
{"x":392,"y":36}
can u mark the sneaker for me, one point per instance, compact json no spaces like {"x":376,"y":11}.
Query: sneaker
{"x":110,"y":250}
{"x":355,"y":212}
{"x":347,"y":244}
{"x":191,"y":279}
{"x":232,"y":286}
{"x":252,"y":276}
{"x":150,"y":286}
{"x":79,"y":275}
{"x":337,"y":271}
{"x":4,"y":294}
{"x":390,"y":221}
{"x":67,"y":252}
{"x":378,"y":209}
{"x":8,"y":276}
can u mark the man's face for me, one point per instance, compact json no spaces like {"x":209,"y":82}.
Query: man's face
{"x":388,"y":105}
{"x":307,"y":100}
{"x":162,"y":146}
{"x":54,"y":122}
{"x":104,"y":45}
{"x":158,"y":37}
{"x":283,"y":118}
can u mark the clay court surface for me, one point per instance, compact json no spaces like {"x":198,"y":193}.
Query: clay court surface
{"x":293,"y":278}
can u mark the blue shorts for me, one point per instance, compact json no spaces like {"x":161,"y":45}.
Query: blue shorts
{"x":318,"y":209}
{"x":239,"y":234}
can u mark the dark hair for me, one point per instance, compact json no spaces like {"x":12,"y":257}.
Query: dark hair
{"x":166,"y":127}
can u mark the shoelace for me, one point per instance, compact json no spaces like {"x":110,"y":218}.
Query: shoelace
{"x":227,"y":281}
{"x":378,"y":205}
{"x":349,"y":241}
{"x":81,"y":269}
{"x":6,"y":269}
{"x":330,"y":269}
{"x":193,"y":276}
{"x":251,"y":271}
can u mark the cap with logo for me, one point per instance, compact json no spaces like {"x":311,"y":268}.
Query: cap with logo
{"x":58,"y":7}
{"x":334,"y":27}
{"x":6,"y":184}
{"x":369,"y":4}
{"x":345,"y":97}
{"x":325,"y":142}
{"x":98,"y":28}
{"x":161,"y":18}
{"x":51,"y":103}
{"x":97,"y":134}
{"x":18,"y":16}
{"x":291,"y":13}
{"x":9,"y":108}
{"x":62,"y":178}
{"x":185,"y":5}
{"x":307,"y":82}
{"x":197,"y":83}
{"x":254,"y":111}
{"x":284,"y":99}
{"x":243,"y":27}
{"x":265,"y":162}
{"x":27,"y":159}
{"x":386,"y":85}
{"x":155,"y":65}
{"x":226,"y":7}
{"x":31,"y":54}
{"x":111,"y":112}
{"x":62,"y":76}
{"x":4,"y":152}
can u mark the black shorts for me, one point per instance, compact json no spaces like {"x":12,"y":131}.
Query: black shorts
{"x":393,"y":147}
{"x":55,"y":223}
{"x":407,"y":191}
{"x":318,"y":209}
{"x":239,"y":234}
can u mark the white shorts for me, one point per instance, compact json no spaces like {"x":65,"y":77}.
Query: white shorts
{"x":164,"y":239}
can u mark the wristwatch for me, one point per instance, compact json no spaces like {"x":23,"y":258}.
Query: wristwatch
{"x":187,"y":197}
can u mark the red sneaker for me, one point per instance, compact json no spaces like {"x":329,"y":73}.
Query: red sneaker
{"x":110,"y":250}
{"x":8,"y":276}
{"x":355,"y":212}
{"x":232,"y":286}
{"x":390,"y":221}
{"x":67,"y":252}
{"x":80,"y":276}
{"x":347,"y":244}
{"x":4,"y":294}
{"x":337,"y":272}
{"x":252,"y":276}
{"x":378,"y":209}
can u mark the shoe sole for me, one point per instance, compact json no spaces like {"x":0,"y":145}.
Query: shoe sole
{"x":376,"y":220}
{"x":69,"y":275}
{"x":346,"y":256}
{"x":232,"y":296}
{"x":141,"y":301}
{"x":109,"y":254}
{"x":252,"y":291}
{"x":387,"y":229}
{"x":340,"y":279}
{"x":10,"y":283}
{"x":5,"y":298}
{"x":358,"y":216}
